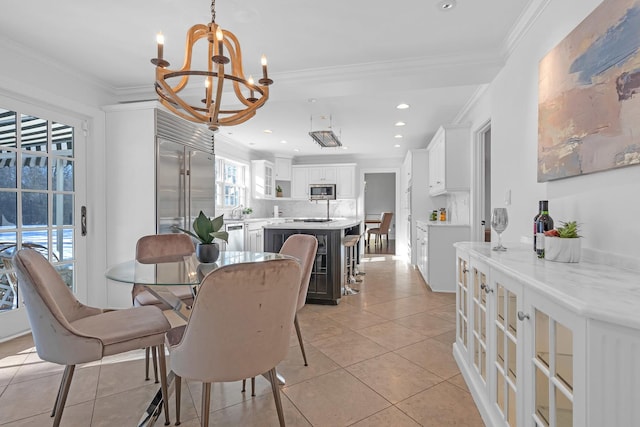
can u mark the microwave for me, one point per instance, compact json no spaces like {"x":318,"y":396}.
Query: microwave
{"x":322,"y":192}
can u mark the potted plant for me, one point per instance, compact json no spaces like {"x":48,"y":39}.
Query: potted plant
{"x":247,"y":211}
{"x":278,"y":191}
{"x":563,"y":243}
{"x":207,"y":229}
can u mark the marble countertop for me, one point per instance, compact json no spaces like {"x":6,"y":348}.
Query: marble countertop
{"x":591,"y":290}
{"x":441,"y":223}
{"x":336,"y":224}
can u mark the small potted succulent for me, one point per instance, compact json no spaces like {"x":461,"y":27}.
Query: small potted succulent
{"x":563,"y":243}
{"x":205,"y":230}
{"x":247,"y":211}
{"x":278,"y":191}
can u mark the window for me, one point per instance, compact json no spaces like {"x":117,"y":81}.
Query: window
{"x":231,"y":181}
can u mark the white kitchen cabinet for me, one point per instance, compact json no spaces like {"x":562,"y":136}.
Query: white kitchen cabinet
{"x":346,"y":182}
{"x":449,"y":160}
{"x":323,"y":175}
{"x":263,"y":179}
{"x":435,"y":253}
{"x":299,"y":182}
{"x":282,"y":169}
{"x":560,"y":342}
{"x":254,"y":236}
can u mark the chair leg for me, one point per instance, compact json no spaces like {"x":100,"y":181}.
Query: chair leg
{"x":55,"y":405}
{"x":206,"y":402}
{"x":244,"y":386}
{"x":387,"y":237}
{"x":178,"y":381}
{"x":64,"y":392}
{"x":297,"y":325}
{"x":163,"y":382}
{"x":147,"y":356}
{"x":253,"y":386}
{"x":154,"y":353}
{"x":273,"y":379}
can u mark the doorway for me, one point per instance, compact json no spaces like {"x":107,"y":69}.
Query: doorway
{"x":379,"y":197}
{"x":481,"y":188}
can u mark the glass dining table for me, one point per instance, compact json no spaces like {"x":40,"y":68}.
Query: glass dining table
{"x":158,"y":279}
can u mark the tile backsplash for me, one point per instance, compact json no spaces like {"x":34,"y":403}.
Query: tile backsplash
{"x":303,"y":208}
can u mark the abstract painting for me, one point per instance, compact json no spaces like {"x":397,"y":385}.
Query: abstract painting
{"x":589,"y":95}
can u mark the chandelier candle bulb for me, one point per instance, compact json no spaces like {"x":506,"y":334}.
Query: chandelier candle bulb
{"x":219,"y":38}
{"x":160,"y":40}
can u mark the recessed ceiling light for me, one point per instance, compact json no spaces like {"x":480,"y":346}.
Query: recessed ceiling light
{"x":283,"y":142}
{"x":397,"y":146}
{"x":398,"y":136}
{"x":296,"y":149}
{"x":311,"y":100}
{"x":400,"y":123}
{"x":252,"y":143}
{"x":344,"y":147}
{"x":268,"y":131}
{"x":402,"y":106}
{"x":446,"y":5}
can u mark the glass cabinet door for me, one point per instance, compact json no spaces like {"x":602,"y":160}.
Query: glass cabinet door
{"x":553,"y":372}
{"x":462,"y":321}
{"x":481,"y":291}
{"x":508,"y":340}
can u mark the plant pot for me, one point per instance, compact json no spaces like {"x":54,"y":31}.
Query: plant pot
{"x":278,"y":193}
{"x":207,"y":252}
{"x":562,"y":250}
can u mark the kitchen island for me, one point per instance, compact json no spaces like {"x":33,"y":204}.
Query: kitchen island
{"x":328,"y":268}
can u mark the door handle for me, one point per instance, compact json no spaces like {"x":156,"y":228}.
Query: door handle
{"x":83,"y":220}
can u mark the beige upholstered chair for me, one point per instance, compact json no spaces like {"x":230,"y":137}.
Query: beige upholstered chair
{"x":239,"y":328}
{"x":68,"y":332}
{"x":378,"y":232}
{"x":304,"y":248}
{"x":156,"y":248}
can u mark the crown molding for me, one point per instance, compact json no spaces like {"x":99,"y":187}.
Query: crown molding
{"x":523,"y":24}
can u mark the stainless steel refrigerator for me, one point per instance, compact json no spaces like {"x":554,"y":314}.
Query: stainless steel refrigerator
{"x":185,"y":172}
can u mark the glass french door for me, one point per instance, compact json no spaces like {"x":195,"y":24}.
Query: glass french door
{"x":41,"y":198}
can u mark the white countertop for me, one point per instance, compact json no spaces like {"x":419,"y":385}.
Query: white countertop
{"x":592,"y":290}
{"x":441,"y":223}
{"x":336,"y":224}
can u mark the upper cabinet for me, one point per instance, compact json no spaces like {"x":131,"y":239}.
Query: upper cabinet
{"x":323,"y":175}
{"x":449,"y":161}
{"x":283,"y":169}
{"x":342,"y":175}
{"x":263,"y":179}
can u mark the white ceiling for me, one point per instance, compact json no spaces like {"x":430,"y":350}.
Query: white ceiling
{"x":358,"y":59}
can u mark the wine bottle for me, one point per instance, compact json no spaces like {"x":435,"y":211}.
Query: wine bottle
{"x":543,"y":223}
{"x":535,"y":219}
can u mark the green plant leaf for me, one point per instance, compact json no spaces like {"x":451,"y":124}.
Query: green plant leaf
{"x":217,"y":223}
{"x":222,"y":235}
{"x":203,"y":227}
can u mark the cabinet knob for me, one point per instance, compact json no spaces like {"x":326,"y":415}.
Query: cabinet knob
{"x":522,"y":315}
{"x":487,"y":289}
{"x":465,"y":270}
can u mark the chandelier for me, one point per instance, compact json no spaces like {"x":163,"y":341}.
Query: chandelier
{"x":223,"y":48}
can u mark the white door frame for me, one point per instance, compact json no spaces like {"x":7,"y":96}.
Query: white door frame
{"x":360,"y":203}
{"x":477,"y":181}
{"x":14,"y":322}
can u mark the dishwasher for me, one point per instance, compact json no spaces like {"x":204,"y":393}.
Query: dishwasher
{"x":236,"y":237}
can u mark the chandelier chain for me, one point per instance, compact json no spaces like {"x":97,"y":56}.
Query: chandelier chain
{"x":213,"y":11}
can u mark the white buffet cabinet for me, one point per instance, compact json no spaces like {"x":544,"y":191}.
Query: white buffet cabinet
{"x":435,"y":253}
{"x":547,"y":344}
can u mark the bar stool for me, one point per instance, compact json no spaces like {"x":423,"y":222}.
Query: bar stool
{"x":350,"y":242}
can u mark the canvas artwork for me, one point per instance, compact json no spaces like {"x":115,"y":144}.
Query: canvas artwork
{"x":589,"y":95}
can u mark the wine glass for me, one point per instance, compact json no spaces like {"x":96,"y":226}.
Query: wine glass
{"x":499,"y":222}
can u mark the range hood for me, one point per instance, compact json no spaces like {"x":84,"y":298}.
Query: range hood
{"x":326,"y":138}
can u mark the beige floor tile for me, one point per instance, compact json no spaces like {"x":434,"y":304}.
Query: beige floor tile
{"x":390,"y":417}
{"x":432,"y":355}
{"x":391,"y":335}
{"x":458,"y":380}
{"x":318,"y":328}
{"x":294,"y":371}
{"x":400,"y":307}
{"x":126,"y":408}
{"x":447,"y":337}
{"x":73,"y":416}
{"x":357,"y":320}
{"x":116,"y":377}
{"x":19,"y":345}
{"x":259,"y":411}
{"x":9,"y":366}
{"x":446,"y":312}
{"x":393,"y":377}
{"x":228,"y":394}
{"x":426,"y":324}
{"x":363,"y":300}
{"x":34,"y":367}
{"x":335,"y":399}
{"x":349,"y":348}
{"x":442,"y":405}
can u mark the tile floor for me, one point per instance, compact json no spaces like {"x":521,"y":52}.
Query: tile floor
{"x":379,"y":358}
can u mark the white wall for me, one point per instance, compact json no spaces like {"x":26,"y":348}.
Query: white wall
{"x":605,"y":203}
